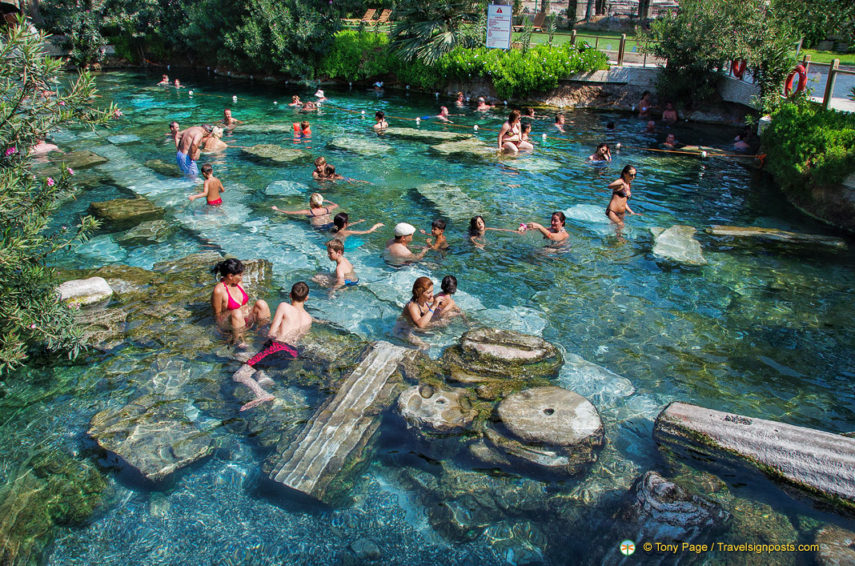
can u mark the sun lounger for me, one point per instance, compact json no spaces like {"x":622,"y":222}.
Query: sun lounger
{"x":537,"y":24}
{"x":366,"y":19}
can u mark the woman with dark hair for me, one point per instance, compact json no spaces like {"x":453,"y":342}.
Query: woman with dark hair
{"x":621,"y":193}
{"x":478,"y":229}
{"x":555,"y":232}
{"x":510,"y":137}
{"x":230,"y":302}
{"x":341,"y":226}
{"x":449,"y":308}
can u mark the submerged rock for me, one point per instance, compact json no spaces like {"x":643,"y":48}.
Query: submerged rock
{"x":780,"y":236}
{"x":84,"y":291}
{"x":836,"y":546}
{"x":102,"y":328}
{"x":550,"y":428}
{"x":436,"y":410}
{"x":470,"y":148}
{"x":53,"y":489}
{"x":501,"y":361}
{"x":125,"y":212}
{"x":164,"y":168}
{"x":121,"y":139}
{"x":450,"y":201}
{"x":533,"y":164}
{"x":426,"y":136}
{"x":678,"y":243}
{"x":596,"y":383}
{"x":360,"y":146}
{"x":152,"y":435}
{"x":657,"y":510}
{"x":285,"y":189}
{"x":76,"y":160}
{"x":152,"y":231}
{"x":270,"y":154}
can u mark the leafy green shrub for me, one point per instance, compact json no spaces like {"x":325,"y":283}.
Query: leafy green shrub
{"x":807,"y":146}
{"x":515,"y":73}
{"x":31,"y":314}
{"x":357,"y":55}
{"x":706,"y":35}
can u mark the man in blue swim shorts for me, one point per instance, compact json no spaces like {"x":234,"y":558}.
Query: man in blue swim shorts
{"x":188,"y":145}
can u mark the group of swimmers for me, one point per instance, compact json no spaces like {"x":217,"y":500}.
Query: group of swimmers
{"x":290,"y":323}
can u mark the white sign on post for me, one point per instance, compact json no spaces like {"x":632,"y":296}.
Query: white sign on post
{"x":499,"y":26}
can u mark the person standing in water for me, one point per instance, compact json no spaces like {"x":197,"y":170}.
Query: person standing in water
{"x":211,"y":189}
{"x":621,"y":193}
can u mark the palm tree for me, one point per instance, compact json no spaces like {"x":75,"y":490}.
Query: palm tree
{"x":427,"y":30}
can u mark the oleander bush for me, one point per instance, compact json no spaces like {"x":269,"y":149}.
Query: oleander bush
{"x":704,"y":36}
{"x":32,"y":317}
{"x":807,"y":146}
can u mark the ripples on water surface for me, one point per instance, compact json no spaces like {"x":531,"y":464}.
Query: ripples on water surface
{"x":758,"y":331}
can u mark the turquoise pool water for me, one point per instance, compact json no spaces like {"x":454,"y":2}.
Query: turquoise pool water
{"x":762,"y":331}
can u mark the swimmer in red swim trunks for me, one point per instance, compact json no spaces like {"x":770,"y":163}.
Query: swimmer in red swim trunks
{"x":290,"y":323}
{"x":230,"y":302}
{"x":212,"y":187}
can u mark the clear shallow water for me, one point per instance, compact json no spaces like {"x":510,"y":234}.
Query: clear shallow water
{"x":758,"y":331}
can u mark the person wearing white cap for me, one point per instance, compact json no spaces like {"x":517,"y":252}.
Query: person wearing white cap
{"x":397,"y":248}
{"x":320,"y":95}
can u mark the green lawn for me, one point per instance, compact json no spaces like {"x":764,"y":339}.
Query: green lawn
{"x":602,"y":39}
{"x":828,"y":56}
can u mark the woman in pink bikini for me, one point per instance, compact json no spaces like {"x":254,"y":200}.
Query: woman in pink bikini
{"x":230,"y":302}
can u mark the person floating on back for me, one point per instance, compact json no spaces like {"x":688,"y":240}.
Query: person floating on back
{"x":211,"y":189}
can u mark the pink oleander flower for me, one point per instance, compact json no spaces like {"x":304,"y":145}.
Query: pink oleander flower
{"x":33,"y":326}
{"x":70,"y":171}
{"x":50,"y":182}
{"x":62,"y":103}
{"x":11,"y":151}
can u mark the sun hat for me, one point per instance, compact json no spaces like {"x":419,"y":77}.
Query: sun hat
{"x":379,"y":84}
{"x":404,"y":229}
{"x":217,"y":132}
{"x":319,"y":93}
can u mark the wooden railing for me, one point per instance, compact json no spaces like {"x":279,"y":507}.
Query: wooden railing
{"x":833,"y":71}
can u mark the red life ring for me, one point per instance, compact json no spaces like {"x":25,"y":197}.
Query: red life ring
{"x":788,"y":86}
{"x":738,"y":67}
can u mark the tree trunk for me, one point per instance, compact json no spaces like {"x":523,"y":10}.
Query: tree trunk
{"x":589,"y":11}
{"x":643,"y":9}
{"x":32,"y":6}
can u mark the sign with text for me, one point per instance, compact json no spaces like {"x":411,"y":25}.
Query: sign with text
{"x":499,"y":26}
